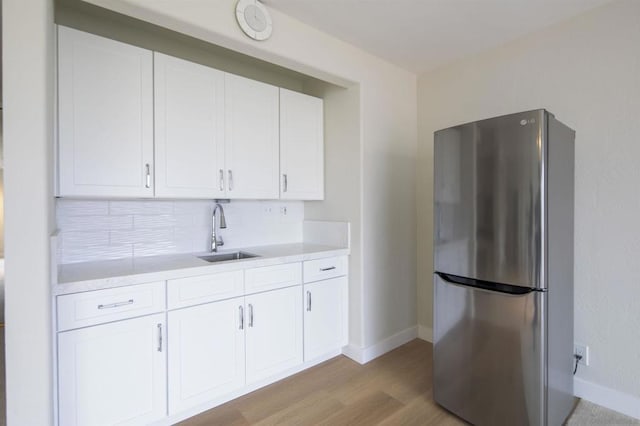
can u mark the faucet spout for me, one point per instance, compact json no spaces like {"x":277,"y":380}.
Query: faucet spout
{"x":215,"y":240}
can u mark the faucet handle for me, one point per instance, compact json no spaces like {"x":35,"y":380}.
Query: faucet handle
{"x":220,"y":241}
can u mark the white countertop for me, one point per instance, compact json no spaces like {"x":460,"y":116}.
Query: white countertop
{"x":78,"y":277}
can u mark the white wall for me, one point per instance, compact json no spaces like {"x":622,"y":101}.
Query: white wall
{"x":389,"y":207}
{"x":387,"y":126}
{"x":93,"y":230}
{"x":587,"y":72}
{"x":27,"y":49}
{"x":343,"y":185}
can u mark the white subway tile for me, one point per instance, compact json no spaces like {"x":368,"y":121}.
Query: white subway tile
{"x":81,"y":208}
{"x":137,"y":236}
{"x":162,"y":221}
{"x":98,"y":230}
{"x":192,"y":207}
{"x":85,"y":239}
{"x":94,"y":223}
{"x":140,"y":207}
{"x":77,"y":254}
{"x":154,"y":249}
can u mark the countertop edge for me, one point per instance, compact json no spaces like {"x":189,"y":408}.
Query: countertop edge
{"x":100,"y":283}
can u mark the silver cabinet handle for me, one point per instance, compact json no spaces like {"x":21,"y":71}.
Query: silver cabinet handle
{"x":250,"y":315}
{"x":308,"y":301}
{"x":241,"y":317}
{"x":330,"y":268}
{"x":148,"y":176}
{"x":230,"y":173}
{"x":116,"y":305}
{"x":159,"y":337}
{"x":221,"y":180}
{"x":285,"y":183}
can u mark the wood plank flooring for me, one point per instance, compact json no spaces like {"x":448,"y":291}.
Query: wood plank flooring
{"x":394,"y":389}
{"x":3,"y":381}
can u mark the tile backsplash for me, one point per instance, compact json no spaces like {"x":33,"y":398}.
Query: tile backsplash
{"x":101,"y":229}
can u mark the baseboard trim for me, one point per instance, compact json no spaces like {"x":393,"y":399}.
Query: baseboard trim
{"x":354,"y":352}
{"x":607,"y":397}
{"x":425,"y":333}
{"x":364,"y":355}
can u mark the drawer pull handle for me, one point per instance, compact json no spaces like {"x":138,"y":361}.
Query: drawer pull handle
{"x":115,"y":305}
{"x":159,"y":337}
{"x":147,"y":183}
{"x":308,"y":301}
{"x":330,"y":268}
{"x":241,"y":317}
{"x":250,"y":315}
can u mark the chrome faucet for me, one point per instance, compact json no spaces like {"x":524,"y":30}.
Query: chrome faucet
{"x":215,"y":240}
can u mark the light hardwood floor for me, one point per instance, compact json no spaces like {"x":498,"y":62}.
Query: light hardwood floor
{"x":394,"y":389}
{"x":3,"y":393}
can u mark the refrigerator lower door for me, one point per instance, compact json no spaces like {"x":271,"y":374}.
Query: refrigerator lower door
{"x":488,"y":354}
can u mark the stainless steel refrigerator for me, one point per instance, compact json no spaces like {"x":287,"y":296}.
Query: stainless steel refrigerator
{"x":503,"y":282}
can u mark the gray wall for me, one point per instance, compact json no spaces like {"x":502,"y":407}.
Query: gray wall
{"x":96,"y":20}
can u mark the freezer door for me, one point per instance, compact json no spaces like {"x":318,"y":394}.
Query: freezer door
{"x":489,"y":199}
{"x":488,"y":354}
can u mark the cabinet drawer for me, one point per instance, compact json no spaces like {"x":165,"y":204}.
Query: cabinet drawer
{"x":272,"y":277}
{"x":100,"y":306}
{"x":205,"y":288}
{"x":322,"y":269}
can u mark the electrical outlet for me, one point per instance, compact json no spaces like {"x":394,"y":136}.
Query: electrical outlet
{"x":582,"y":350}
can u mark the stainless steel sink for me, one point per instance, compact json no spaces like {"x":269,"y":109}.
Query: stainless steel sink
{"x":223,"y":257}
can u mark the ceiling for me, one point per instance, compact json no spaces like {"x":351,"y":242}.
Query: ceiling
{"x":420,"y":35}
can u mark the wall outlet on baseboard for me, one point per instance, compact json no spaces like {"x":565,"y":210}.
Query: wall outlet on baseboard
{"x":582,"y":350}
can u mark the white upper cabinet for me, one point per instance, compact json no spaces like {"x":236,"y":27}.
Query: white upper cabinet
{"x":105,"y":117}
{"x":301,"y":146}
{"x":138,"y":124}
{"x":251,"y":138}
{"x":189,"y":129}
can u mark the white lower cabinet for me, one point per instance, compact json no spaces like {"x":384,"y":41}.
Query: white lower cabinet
{"x":206,"y":352}
{"x":113,"y":373}
{"x":217,"y":348}
{"x":200,"y":352}
{"x":274,"y":332}
{"x":325,"y":314}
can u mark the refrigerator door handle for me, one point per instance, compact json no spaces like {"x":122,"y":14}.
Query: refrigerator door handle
{"x":507,"y":289}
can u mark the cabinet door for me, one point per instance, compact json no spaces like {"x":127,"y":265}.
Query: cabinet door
{"x":325,"y":315}
{"x":206,"y":352}
{"x":189,"y":129}
{"x":113,"y":373}
{"x":274,"y":332}
{"x":105,"y":117}
{"x":252,"y":138}
{"x":301,"y":146}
